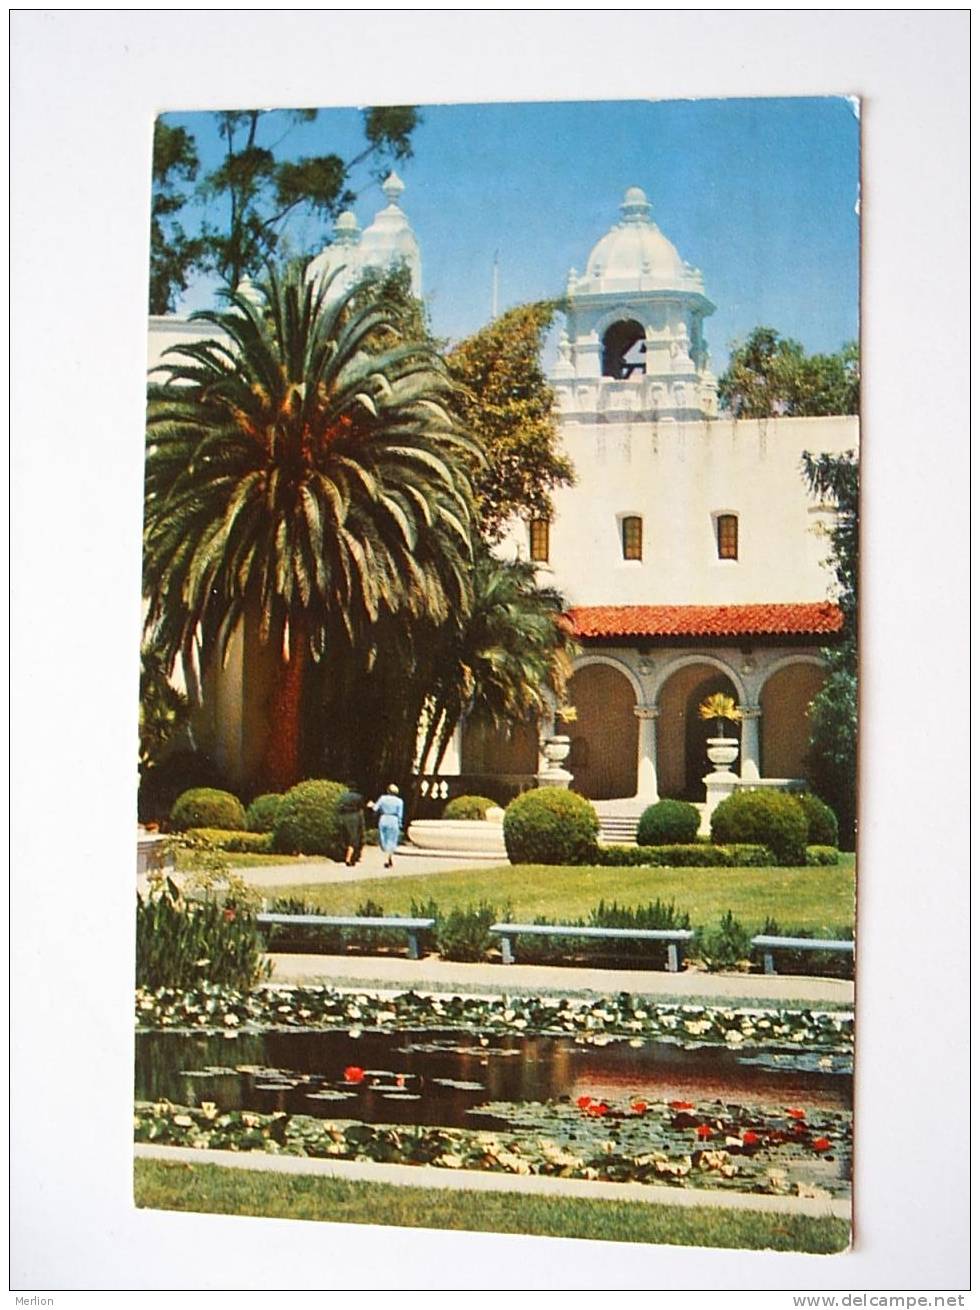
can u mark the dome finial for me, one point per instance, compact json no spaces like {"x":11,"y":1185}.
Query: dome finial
{"x":392,"y":186}
{"x":635,"y":207}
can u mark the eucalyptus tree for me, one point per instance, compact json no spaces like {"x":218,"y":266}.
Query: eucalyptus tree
{"x":304,"y":472}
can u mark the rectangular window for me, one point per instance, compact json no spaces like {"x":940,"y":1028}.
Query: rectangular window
{"x":632,"y":537}
{"x":728,"y":536}
{"x":540,"y":543}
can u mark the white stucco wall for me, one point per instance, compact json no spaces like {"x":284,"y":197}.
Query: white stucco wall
{"x":677,"y":477}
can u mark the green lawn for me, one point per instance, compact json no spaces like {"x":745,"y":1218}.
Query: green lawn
{"x":212,"y":1189}
{"x":819,"y":898}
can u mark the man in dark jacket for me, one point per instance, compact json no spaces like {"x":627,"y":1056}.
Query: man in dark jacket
{"x":351,"y":810}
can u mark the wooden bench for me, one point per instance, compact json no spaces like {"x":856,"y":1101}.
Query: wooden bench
{"x":769,"y":944}
{"x":410,"y":926}
{"x":674,"y":937}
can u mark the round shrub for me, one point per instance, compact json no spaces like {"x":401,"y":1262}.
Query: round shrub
{"x":550,"y":826}
{"x":206,"y":807}
{"x":261,"y":814}
{"x":308,"y":820}
{"x":468,"y":807}
{"x":821,"y":820}
{"x":668,"y":823}
{"x":769,"y":818}
{"x":161,"y":784}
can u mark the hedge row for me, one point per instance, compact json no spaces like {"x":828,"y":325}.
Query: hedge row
{"x":242,"y":843}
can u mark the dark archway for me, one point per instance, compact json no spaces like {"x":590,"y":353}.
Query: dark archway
{"x":624,"y":350}
{"x":605,"y":734}
{"x":698,"y":730}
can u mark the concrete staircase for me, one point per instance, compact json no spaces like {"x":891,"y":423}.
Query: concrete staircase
{"x":618,"y":819}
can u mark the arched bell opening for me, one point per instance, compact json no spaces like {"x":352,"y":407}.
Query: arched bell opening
{"x":624,"y":350}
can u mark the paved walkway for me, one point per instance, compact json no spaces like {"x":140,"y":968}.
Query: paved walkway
{"x":408,"y":1175}
{"x":433,"y":974}
{"x":409,"y":863}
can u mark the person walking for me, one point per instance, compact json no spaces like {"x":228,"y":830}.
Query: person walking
{"x":390,"y":809}
{"x":351,"y":810}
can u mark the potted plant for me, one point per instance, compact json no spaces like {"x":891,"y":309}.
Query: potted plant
{"x":722,"y":750}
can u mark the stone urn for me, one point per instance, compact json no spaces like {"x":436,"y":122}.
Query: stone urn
{"x":555,"y":750}
{"x":723,"y":752}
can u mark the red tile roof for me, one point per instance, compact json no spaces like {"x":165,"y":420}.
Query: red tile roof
{"x":819,"y":618}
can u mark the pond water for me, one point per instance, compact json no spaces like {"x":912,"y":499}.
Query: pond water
{"x":443,"y":1077}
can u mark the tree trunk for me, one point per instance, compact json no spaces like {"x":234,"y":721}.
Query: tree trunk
{"x":281,"y":764}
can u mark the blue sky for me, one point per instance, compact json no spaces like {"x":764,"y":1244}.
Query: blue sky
{"x":761,"y":195}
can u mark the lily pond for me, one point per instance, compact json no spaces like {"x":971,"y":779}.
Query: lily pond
{"x":610,"y":1088}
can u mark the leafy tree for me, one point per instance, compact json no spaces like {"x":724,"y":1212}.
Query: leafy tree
{"x":262,"y":191}
{"x":302,"y":477}
{"x":163,"y":709}
{"x":508,"y":406}
{"x":173,"y":254}
{"x":769,"y":375}
{"x":501,"y":659}
{"x":832,"y":754}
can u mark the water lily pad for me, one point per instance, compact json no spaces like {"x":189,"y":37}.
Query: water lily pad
{"x":460,"y":1084}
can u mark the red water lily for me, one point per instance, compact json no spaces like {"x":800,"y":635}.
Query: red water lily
{"x":598,"y":1108}
{"x":795,"y":1113}
{"x":584,"y":1102}
{"x":681,"y":1105}
{"x":639,"y":1107}
{"x":822,"y":1144}
{"x":749,"y":1138}
{"x":353,"y":1074}
{"x":704,"y":1131}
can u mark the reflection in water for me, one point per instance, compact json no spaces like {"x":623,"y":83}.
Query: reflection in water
{"x":441,"y":1077}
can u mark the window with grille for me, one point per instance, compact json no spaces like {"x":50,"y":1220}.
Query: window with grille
{"x":632,"y":537}
{"x":540,"y":542}
{"x":727,"y":526}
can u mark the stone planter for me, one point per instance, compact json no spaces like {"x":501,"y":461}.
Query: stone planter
{"x":459,"y":836}
{"x":723,"y":752}
{"x":555,"y":750}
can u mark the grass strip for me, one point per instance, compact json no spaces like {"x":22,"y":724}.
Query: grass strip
{"x":211,"y":1189}
{"x":819,"y":898}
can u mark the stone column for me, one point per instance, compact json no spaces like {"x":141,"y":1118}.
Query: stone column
{"x":646,"y":770}
{"x":751,"y":714}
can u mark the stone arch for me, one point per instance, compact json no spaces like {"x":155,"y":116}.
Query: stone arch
{"x":790,"y":686}
{"x":681,"y":733}
{"x":624,"y":349}
{"x":605,"y":734}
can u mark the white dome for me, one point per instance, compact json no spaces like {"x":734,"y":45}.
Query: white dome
{"x":636,"y":249}
{"x":388,"y":241}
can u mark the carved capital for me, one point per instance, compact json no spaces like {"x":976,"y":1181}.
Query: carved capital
{"x":646,"y":711}
{"x":750,"y":711}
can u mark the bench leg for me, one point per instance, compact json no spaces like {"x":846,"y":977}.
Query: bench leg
{"x":767,"y":962}
{"x":506,"y":951}
{"x":673,"y":963}
{"x":413,"y":946}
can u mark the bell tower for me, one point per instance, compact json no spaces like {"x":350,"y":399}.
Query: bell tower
{"x":633,"y":345}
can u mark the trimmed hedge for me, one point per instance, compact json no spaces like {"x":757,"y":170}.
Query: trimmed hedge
{"x":821,"y":820}
{"x":206,"y":807}
{"x":308,"y":820}
{"x":550,"y":825}
{"x":822,"y":855}
{"x":668,"y":823}
{"x":240,"y":843}
{"x":261,"y":814}
{"x":468,"y":807}
{"x":699,"y":855}
{"x":769,"y":818}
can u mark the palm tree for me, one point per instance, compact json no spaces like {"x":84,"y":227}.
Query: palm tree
{"x":503,"y":657}
{"x":303,"y":469}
